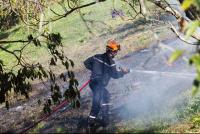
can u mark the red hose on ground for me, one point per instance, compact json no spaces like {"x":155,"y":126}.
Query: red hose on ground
{"x":63,"y":103}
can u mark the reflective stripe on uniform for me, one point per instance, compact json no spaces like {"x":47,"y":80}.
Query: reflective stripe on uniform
{"x":104,"y":62}
{"x":93,"y":117}
{"x":106,"y":104}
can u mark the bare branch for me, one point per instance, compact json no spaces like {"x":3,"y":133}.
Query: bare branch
{"x":173,"y":30}
{"x":133,"y":17}
{"x":63,"y":6}
{"x":71,"y":11}
{"x":84,"y":21}
{"x":55,"y":12}
{"x":179,"y":36}
{"x":131,"y":6}
{"x":14,"y":41}
{"x":12,"y":53}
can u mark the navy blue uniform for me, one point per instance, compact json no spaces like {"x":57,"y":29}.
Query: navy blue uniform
{"x":102,"y":68}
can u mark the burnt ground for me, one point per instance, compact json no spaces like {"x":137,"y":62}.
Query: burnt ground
{"x":152,"y":91}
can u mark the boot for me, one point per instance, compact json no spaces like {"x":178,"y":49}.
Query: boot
{"x":91,"y":120}
{"x":94,"y":124}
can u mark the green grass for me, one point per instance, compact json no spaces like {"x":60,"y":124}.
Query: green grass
{"x":71,"y":28}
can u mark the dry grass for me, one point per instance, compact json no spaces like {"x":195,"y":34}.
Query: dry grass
{"x":183,"y":127}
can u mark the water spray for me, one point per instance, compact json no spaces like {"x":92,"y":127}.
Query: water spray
{"x":170,"y":74}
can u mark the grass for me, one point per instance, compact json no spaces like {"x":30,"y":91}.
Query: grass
{"x":187,"y":114}
{"x":71,"y":28}
{"x":189,"y":117}
{"x":74,"y":30}
{"x":186,"y":119}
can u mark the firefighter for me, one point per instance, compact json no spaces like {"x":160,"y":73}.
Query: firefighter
{"x":102,"y":67}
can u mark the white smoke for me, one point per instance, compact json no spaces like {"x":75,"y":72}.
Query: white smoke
{"x":153,"y":90}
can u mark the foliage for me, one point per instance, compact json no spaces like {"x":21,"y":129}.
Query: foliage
{"x":192,"y":26}
{"x":190,"y":29}
{"x":29,"y":12}
{"x":191,"y":111}
{"x":23,"y":10}
{"x":187,"y":3}
{"x":175,"y":55}
{"x":7,"y":21}
{"x":18,"y":80}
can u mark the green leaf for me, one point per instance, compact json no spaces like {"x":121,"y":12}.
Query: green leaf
{"x":191,"y":28}
{"x":196,"y":83}
{"x":72,"y":63}
{"x":38,"y":42}
{"x":194,"y":90}
{"x":187,"y":3}
{"x":53,"y":63}
{"x":30,"y":37}
{"x":66,"y":64}
{"x":198,"y":4}
{"x":195,"y":59}
{"x":175,"y":55}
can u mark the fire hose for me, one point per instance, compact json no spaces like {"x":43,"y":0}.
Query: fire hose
{"x":62,"y":104}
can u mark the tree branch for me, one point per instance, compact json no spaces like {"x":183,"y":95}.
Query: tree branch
{"x":71,"y":11}
{"x":12,"y":53}
{"x":84,"y":21}
{"x":14,"y":41}
{"x":181,"y":20}
{"x":179,"y":36}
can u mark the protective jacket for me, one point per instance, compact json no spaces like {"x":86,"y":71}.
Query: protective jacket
{"x":103,"y":68}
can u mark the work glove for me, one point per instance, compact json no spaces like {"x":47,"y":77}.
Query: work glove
{"x":124,"y":70}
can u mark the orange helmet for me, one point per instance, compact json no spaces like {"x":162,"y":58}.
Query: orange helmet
{"x":113,"y":45}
